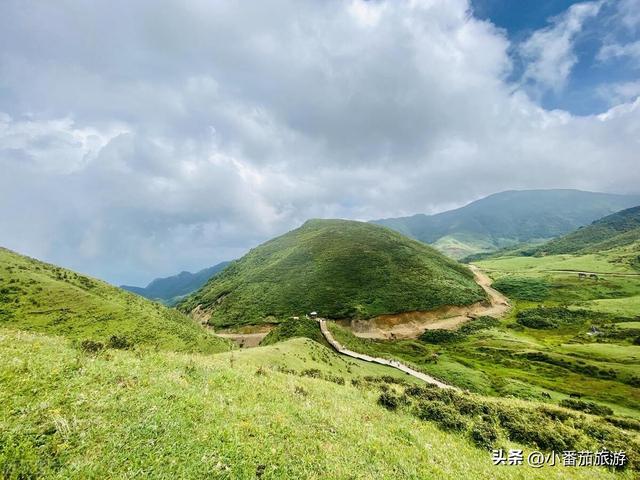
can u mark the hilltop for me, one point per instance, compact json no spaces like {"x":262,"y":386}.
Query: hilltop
{"x":340,"y":268}
{"x":170,"y":290}
{"x":45,"y":298}
{"x":508,"y":218}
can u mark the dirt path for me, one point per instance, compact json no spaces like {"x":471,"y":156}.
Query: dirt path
{"x":413,"y":324}
{"x":382,"y":361}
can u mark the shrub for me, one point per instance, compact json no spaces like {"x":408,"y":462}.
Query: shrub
{"x":90,"y":346}
{"x":532,"y":289}
{"x":624,"y":422}
{"x":121,"y":343}
{"x":388,"y":400}
{"x":586,"y":407}
{"x":484,"y":434}
{"x":554,"y":317}
{"x":480,"y":323}
{"x":446,"y":416}
{"x":439,"y":335}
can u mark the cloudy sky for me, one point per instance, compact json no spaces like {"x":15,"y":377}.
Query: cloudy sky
{"x":141,"y":138}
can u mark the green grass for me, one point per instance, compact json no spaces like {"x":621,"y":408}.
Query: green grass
{"x":608,"y":262}
{"x":120,"y":414}
{"x":45,"y":298}
{"x":339,"y":268}
{"x":619,"y":306}
{"x":301,"y":328}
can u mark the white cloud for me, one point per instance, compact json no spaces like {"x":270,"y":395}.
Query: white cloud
{"x":549,"y":52}
{"x":629,"y":13}
{"x":194,"y":130}
{"x":617,"y":50}
{"x":620,"y":92}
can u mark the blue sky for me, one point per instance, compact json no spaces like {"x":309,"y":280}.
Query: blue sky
{"x":591,"y":77}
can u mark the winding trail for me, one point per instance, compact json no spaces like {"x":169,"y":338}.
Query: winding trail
{"x":382,"y":361}
{"x":497,"y":306}
{"x":414,"y":324}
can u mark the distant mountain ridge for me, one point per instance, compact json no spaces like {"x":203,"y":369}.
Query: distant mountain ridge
{"x":616,"y":230}
{"x":170,"y":290}
{"x":508,"y":218}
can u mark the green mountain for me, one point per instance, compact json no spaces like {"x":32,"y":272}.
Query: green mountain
{"x":45,"y":298}
{"x":616,"y":230}
{"x":169,"y":290}
{"x":509,"y":218}
{"x":340,"y":268}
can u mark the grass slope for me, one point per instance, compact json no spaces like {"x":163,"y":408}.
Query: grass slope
{"x":46,"y":298}
{"x":291,"y":328}
{"x":64,"y":414}
{"x":616,"y":230}
{"x":508,"y":218}
{"x":340,"y":268}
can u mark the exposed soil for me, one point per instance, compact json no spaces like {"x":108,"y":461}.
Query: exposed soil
{"x":413,"y":324}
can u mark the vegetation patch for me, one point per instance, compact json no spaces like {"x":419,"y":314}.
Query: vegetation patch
{"x":586,"y":407}
{"x":555,"y":317}
{"x":440,"y":335}
{"x":489,"y":422}
{"x":292,"y":328}
{"x":339,"y":268}
{"x":523,"y":288}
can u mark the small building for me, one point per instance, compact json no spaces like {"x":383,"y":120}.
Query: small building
{"x":314,"y":314}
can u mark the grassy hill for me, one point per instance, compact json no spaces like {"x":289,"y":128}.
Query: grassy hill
{"x":342,"y":269}
{"x":615,"y":230}
{"x":508,"y":218}
{"x":170,"y":290}
{"x":292,"y":410}
{"x":46,"y":298}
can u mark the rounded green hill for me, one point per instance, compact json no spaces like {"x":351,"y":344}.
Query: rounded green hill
{"x":339,"y":268}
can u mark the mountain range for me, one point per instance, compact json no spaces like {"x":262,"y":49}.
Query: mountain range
{"x":170,"y":290}
{"x":508,"y":218}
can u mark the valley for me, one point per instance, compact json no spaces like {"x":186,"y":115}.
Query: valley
{"x":412,"y":356}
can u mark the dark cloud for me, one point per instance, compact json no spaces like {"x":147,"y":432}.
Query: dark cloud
{"x":138,"y":139}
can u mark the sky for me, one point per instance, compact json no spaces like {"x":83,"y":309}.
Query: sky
{"x":139,"y":139}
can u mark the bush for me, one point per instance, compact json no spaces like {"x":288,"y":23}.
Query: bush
{"x":120,"y":343}
{"x":554,"y":317}
{"x":89,"y":346}
{"x":439,"y":335}
{"x":388,"y":400}
{"x":586,"y":407}
{"x":532,"y":289}
{"x":446,"y":416}
{"x":624,"y":422}
{"x":484,"y":434}
{"x":534,"y":429}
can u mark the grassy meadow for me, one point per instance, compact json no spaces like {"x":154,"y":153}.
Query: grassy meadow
{"x":45,"y":298}
{"x":289,"y":410}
